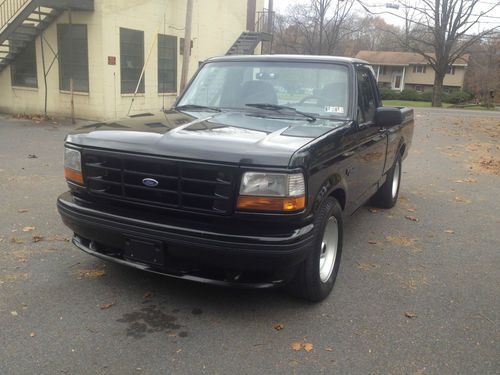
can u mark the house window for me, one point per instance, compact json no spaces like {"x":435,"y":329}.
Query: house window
{"x":419,"y":68}
{"x":23,"y":68}
{"x":167,"y":63}
{"x":451,"y":70}
{"x":73,"y":57}
{"x":131,"y":60}
{"x":419,"y":88}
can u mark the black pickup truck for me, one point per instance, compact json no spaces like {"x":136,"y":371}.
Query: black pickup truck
{"x":246,"y":179}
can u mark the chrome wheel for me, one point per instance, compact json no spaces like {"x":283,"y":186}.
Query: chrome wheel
{"x":329,"y":246}
{"x":395,"y":179}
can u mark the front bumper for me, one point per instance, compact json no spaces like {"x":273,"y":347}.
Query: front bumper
{"x":190,"y":252}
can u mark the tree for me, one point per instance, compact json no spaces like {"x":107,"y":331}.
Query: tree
{"x":483,"y":73}
{"x":313,"y":28}
{"x":441,"y":31}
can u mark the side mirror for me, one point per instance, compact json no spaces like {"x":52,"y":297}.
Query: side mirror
{"x":388,"y":116}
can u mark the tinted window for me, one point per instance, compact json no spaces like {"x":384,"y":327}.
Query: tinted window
{"x":73,"y":57}
{"x":167,"y":63}
{"x":366,"y":97}
{"x":316,"y":88}
{"x":131,"y":60}
{"x":23,"y":68}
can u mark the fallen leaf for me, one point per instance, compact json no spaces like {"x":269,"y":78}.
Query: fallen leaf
{"x":411,"y":209}
{"x":279,"y":327}
{"x":32,"y":334}
{"x":14,"y":239}
{"x":13,"y":313}
{"x":148,"y":295}
{"x":92,"y":274}
{"x":106,"y":306}
{"x":372,"y":210}
{"x":308,"y":347}
{"x":367,"y":266}
{"x":372,"y":242}
{"x":28,"y":229}
{"x":38,"y":238}
{"x":32,"y":156}
{"x":412,"y":218}
{"x":461,"y":200}
{"x":22,"y":210}
{"x":450,"y":231}
{"x":296,"y":345}
{"x":410,"y":315}
{"x":328,"y":349}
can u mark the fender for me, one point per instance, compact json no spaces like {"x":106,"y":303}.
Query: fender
{"x":331,"y":184}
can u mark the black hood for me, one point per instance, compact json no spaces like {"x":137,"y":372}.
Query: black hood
{"x":227,"y":137}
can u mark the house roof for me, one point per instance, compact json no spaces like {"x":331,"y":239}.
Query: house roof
{"x":401,"y":58}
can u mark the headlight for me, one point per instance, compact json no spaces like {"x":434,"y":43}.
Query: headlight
{"x":272,"y":192}
{"x":73,"y":165}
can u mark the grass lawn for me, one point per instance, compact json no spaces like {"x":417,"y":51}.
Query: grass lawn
{"x":409,"y":103}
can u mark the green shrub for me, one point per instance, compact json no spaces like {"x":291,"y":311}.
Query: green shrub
{"x":410,"y":94}
{"x":426,"y":96}
{"x":388,"y":94}
{"x":457,"y":97}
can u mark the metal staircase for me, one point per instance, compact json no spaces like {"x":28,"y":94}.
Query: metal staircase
{"x":247,"y":42}
{"x":21,"y":21}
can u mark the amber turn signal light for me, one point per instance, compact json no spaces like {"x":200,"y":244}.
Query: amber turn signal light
{"x":286,"y":204}
{"x":73,"y":176}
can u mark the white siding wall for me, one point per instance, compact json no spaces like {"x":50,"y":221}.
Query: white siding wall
{"x":216,"y":25}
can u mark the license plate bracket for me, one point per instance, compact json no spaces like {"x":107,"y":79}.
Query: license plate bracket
{"x":144,"y":251}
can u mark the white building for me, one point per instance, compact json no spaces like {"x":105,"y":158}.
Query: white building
{"x":106,"y":45}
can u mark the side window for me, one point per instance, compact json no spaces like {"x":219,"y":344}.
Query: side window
{"x":367,"y":102}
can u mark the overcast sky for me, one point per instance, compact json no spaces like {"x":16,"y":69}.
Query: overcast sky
{"x":379,"y":6}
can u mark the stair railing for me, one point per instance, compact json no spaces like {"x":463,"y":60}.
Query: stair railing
{"x":9,"y":9}
{"x":262,"y":23}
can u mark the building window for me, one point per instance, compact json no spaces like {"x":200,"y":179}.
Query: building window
{"x":419,"y":88}
{"x":167,"y":63}
{"x":419,"y":68}
{"x":73,"y":57}
{"x":451,"y":70}
{"x":383,"y":70}
{"x":23,"y":68}
{"x":131,"y":60}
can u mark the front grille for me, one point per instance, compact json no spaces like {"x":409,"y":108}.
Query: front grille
{"x":181,"y":185}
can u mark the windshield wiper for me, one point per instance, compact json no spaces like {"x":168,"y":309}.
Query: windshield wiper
{"x":276,"y":107}
{"x":188,"y":107}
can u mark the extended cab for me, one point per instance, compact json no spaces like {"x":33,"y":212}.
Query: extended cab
{"x":246,"y":179}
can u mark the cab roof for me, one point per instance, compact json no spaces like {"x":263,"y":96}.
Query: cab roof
{"x":297,"y":58}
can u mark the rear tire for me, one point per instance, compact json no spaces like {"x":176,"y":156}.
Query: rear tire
{"x":387,"y":194}
{"x":316,"y":275}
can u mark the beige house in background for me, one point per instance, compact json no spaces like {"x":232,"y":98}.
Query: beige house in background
{"x":407,"y":70}
{"x":105,"y":47}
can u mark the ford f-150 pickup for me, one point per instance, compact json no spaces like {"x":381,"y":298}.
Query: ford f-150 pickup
{"x":246,"y":179}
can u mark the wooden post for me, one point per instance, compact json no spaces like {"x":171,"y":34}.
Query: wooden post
{"x":71,"y":83}
{"x":251,"y":9}
{"x":187,"y":44}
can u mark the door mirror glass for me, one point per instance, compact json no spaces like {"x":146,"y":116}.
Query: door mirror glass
{"x":388,"y":116}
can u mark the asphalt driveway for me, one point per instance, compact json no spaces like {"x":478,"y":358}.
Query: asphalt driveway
{"x":418,"y":290}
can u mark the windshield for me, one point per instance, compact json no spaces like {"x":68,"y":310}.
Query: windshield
{"x":313,"y":88}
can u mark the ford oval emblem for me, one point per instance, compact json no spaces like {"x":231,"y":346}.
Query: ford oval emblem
{"x":151,"y":182}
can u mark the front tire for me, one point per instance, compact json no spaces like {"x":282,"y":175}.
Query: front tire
{"x":316,"y":276}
